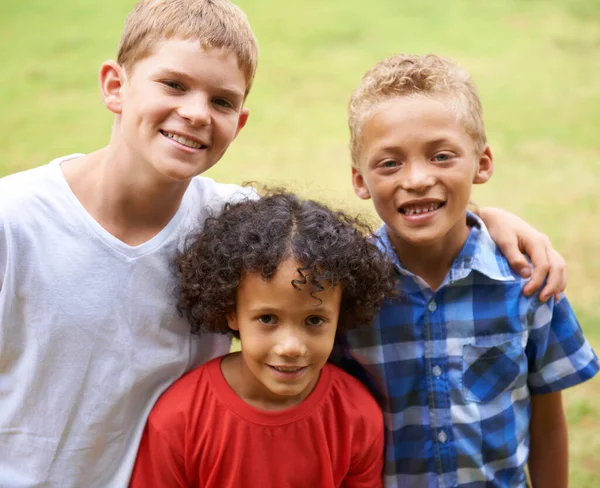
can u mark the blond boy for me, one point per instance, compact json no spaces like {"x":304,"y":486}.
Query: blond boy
{"x":90,"y":335}
{"x":469,"y":367}
{"x":89,"y":332}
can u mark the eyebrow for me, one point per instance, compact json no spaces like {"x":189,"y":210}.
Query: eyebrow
{"x":266,"y":309}
{"x":430,"y":143}
{"x":230,"y":92}
{"x":438,"y":141}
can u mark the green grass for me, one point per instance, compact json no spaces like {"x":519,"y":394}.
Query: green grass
{"x":535,"y":62}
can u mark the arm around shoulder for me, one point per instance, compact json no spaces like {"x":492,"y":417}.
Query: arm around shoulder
{"x":516,"y":238}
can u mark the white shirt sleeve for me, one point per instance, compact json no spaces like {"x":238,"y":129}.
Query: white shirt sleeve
{"x":3,"y":251}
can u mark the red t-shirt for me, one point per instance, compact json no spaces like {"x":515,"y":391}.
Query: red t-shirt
{"x":201,"y":434}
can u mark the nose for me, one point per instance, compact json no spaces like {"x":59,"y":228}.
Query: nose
{"x":417,"y":177}
{"x":196,"y":110}
{"x":290,"y":345}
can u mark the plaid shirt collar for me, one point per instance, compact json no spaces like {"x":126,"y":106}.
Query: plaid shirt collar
{"x":478,"y":254}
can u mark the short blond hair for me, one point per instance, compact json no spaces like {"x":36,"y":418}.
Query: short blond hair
{"x":215,"y":23}
{"x":405,"y":75}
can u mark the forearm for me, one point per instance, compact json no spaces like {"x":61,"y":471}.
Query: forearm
{"x":549,"y":453}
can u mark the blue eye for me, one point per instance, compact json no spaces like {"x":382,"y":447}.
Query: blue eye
{"x":390,"y":163}
{"x":267,"y":319}
{"x":442,"y":157}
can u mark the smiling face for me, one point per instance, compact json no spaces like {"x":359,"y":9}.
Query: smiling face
{"x":178,"y":109}
{"x":417,"y":164}
{"x":287,"y":336}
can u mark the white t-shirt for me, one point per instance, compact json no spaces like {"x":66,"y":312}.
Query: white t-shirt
{"x":89,"y":332}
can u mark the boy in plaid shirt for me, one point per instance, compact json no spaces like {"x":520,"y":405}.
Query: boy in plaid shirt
{"x":469,"y":369}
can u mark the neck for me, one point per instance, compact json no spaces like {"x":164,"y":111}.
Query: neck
{"x":128,"y":200}
{"x":432,"y":262}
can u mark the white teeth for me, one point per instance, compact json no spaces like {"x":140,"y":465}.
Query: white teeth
{"x":422,"y":209}
{"x":286,"y":370}
{"x":183,"y":140}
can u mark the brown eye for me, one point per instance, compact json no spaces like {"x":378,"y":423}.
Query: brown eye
{"x":267,"y":319}
{"x":315,"y":321}
{"x":222,"y":102}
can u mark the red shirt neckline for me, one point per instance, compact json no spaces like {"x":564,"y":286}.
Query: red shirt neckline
{"x":279,"y":417}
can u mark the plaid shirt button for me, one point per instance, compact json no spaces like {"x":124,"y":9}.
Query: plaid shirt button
{"x":437,"y":371}
{"x":432,"y":306}
{"x":442,"y":437}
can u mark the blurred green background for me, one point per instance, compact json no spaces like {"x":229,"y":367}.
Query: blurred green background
{"x":536,"y":63}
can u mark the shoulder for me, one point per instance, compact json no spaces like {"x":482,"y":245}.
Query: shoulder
{"x":212,"y":193}
{"x":32,"y":189}
{"x":177,"y":403}
{"x":205,"y":198}
{"x":20,"y":187}
{"x":353,"y":398}
{"x":381,"y":239}
{"x":482,"y":255}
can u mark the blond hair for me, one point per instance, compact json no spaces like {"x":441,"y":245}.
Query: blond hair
{"x":215,"y":23}
{"x":406,"y":75}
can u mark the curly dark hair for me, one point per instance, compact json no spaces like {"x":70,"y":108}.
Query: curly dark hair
{"x":255,"y":236}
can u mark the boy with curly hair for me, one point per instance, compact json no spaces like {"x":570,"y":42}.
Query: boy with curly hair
{"x":283,"y":275}
{"x":469,"y":367}
{"x":89,"y":332}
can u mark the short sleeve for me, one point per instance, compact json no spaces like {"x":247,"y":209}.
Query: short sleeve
{"x":558,"y":354}
{"x":158,"y":462}
{"x":3,"y":251}
{"x":366,"y":470}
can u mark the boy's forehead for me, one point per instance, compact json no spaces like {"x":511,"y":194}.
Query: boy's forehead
{"x":191,"y":58}
{"x":290,"y":286}
{"x":415,"y":105}
{"x":404,"y":116}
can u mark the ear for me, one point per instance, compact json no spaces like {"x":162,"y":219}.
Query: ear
{"x":232,"y":321}
{"x":485,"y":167}
{"x":112,"y":78}
{"x":360,"y":187}
{"x":245,"y":113}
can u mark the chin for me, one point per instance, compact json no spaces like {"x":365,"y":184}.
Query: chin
{"x":291,"y":392}
{"x":423,"y":241}
{"x":420,"y":239}
{"x":180,"y":171}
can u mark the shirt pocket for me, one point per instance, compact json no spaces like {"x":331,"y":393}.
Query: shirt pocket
{"x":489,"y":370}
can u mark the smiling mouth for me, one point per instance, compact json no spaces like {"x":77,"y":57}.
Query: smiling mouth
{"x":288,"y":369}
{"x":422,"y":208}
{"x":183,"y":141}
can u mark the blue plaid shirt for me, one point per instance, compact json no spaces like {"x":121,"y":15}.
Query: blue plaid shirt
{"x":455,"y":368}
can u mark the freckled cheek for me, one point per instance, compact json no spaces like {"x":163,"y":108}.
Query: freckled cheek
{"x":460,"y":186}
{"x":382,"y":199}
{"x":385,"y":187}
